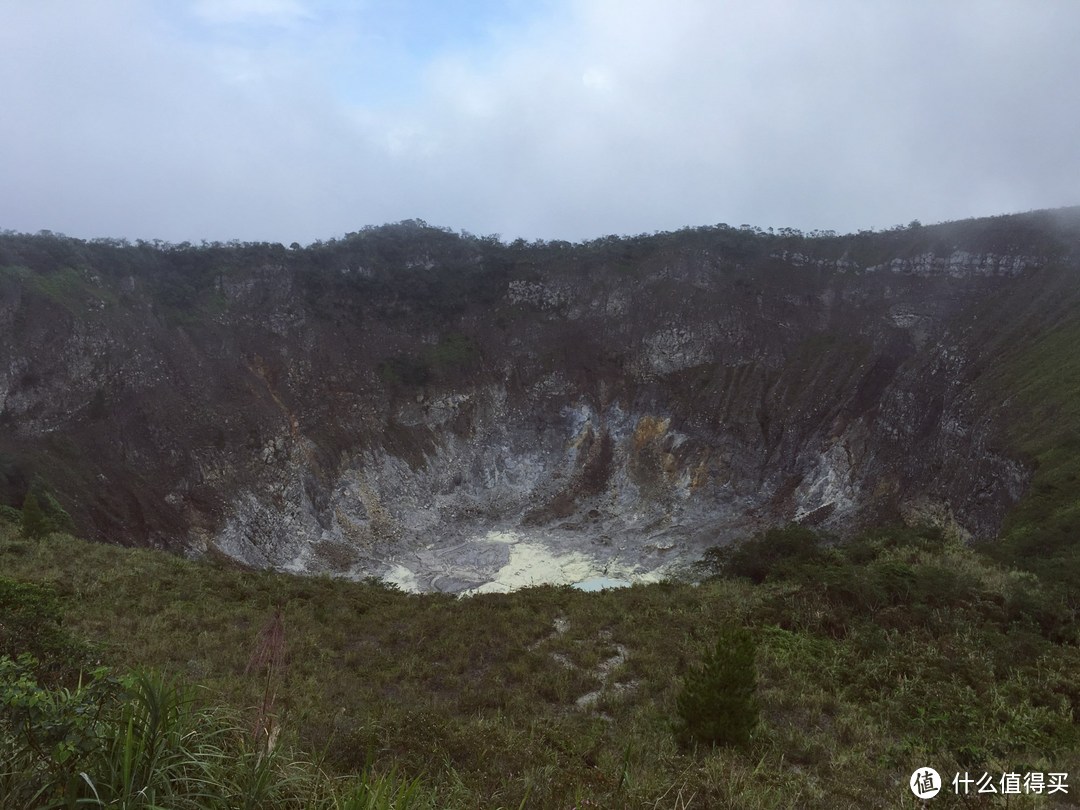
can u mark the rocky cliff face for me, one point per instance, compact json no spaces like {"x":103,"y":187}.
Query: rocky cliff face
{"x":454,"y":413}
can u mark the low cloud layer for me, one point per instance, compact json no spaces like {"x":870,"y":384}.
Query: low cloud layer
{"x":296,"y":120}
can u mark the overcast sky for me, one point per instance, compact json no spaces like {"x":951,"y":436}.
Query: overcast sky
{"x":296,"y":120}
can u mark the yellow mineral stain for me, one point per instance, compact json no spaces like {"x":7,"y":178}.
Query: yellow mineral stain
{"x":649,"y":430}
{"x":584,"y":437}
{"x":699,"y":477}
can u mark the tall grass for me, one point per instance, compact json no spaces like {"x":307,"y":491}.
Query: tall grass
{"x":901,"y":650}
{"x":142,"y":742}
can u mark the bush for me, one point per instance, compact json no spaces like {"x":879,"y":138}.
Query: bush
{"x":405,"y":370}
{"x":42,"y":514}
{"x":34,"y":524}
{"x":56,"y":517}
{"x":31,"y":624}
{"x":453,"y":351}
{"x":775,"y":553}
{"x":716,"y":705}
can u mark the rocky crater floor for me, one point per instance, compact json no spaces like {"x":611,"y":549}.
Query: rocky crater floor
{"x":500,"y":562}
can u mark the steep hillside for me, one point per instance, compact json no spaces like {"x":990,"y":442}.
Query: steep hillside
{"x":452,"y":412}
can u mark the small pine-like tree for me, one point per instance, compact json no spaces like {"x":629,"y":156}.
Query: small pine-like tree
{"x":34,"y":523}
{"x":716,"y":705}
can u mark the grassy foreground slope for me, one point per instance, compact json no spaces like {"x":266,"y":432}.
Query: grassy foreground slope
{"x":895,"y":651}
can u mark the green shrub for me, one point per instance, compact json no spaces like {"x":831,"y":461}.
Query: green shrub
{"x":924,"y":536}
{"x":771,"y":554}
{"x":34,"y":524}
{"x":717,"y":704}
{"x":42,"y":514}
{"x":56,"y":517}
{"x":453,"y":350}
{"x":1043,"y":607}
{"x":30,"y":624}
{"x":405,"y":370}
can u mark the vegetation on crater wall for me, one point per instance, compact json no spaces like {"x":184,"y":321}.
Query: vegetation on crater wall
{"x":1037,"y":378}
{"x":437,"y":267}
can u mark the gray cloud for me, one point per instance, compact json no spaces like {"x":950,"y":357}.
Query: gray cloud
{"x":283,"y":120}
